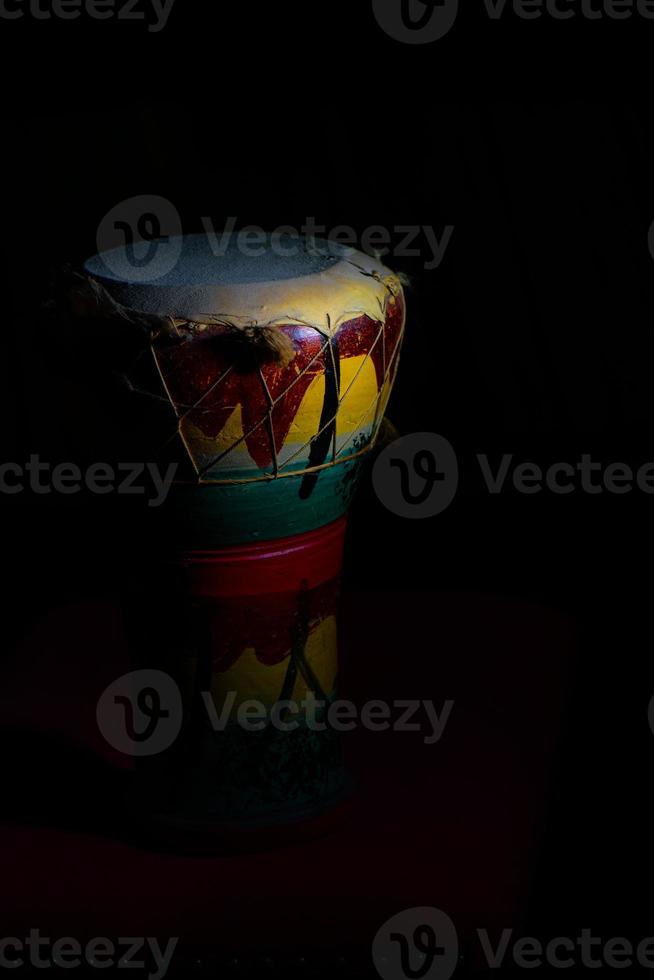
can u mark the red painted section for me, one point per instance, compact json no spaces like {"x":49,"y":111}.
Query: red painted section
{"x":288,"y":565}
{"x":244,"y":387}
{"x":191,"y":367}
{"x":267,"y":624}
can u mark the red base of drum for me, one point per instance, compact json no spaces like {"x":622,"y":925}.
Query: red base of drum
{"x":284,"y":565}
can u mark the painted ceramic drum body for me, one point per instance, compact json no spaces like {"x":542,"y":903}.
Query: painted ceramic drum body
{"x":279,"y":368}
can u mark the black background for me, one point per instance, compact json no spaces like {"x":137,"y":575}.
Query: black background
{"x":534,"y":336}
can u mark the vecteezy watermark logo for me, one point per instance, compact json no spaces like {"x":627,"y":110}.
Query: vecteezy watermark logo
{"x":128,"y":10}
{"x":424,"y":21}
{"x":378,"y":241}
{"x":141,"y":238}
{"x":417,"y":944}
{"x":141,"y":713}
{"x":562,"y":952}
{"x":422,"y":944}
{"x":416,"y":21}
{"x":67,"y":953}
{"x":417,"y":476}
{"x":340,"y":715}
{"x":43,"y":478}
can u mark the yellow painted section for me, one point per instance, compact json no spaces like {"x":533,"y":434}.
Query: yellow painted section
{"x":357,"y":412}
{"x":359,"y":376}
{"x":201,"y":447}
{"x":252,"y":680}
{"x":358,"y":406}
{"x":307,"y":421}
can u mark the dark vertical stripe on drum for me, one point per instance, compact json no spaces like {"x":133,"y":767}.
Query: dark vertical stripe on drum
{"x":327,"y":430}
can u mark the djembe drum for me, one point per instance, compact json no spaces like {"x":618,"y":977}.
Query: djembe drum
{"x":278,"y":367}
